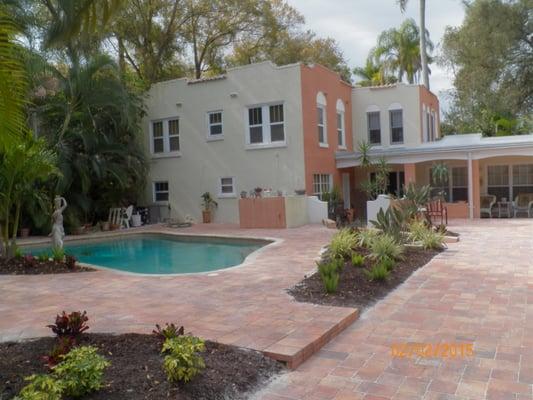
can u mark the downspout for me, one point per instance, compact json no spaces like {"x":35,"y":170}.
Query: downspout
{"x":470,"y":188}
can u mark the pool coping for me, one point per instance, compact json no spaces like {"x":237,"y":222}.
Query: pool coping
{"x":272,"y":242}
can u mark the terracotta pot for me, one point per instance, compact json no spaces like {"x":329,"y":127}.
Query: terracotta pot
{"x":25,"y":232}
{"x":113,"y":227}
{"x":80,"y":230}
{"x":206,"y":217}
{"x":104,"y":225}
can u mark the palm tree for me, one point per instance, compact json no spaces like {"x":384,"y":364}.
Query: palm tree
{"x":373,"y":73}
{"x":423,"y":39}
{"x":398,"y":50}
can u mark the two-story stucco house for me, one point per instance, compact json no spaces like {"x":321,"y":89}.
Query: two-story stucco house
{"x":296,"y":127}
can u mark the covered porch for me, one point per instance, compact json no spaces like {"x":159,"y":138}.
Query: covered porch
{"x":487,"y":177}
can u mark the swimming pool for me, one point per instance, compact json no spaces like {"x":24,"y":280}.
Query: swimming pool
{"x":160,"y":253}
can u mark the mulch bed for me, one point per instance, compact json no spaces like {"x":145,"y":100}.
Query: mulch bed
{"x":355,"y":289}
{"x":15,"y":266}
{"x":136,"y":370}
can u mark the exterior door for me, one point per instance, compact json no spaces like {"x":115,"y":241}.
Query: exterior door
{"x":346,"y":190}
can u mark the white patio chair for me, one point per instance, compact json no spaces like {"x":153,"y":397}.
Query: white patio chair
{"x":114,"y":216}
{"x":523,"y":203}
{"x":487,"y":201}
{"x":125,"y":218}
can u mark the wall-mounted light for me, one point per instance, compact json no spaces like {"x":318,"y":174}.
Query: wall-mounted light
{"x":233,"y":94}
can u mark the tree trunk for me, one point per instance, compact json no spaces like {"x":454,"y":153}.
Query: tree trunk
{"x":423,"y":55}
{"x":121,"y":58}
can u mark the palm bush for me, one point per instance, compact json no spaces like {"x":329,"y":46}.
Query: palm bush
{"x":385,"y":247}
{"x":378,"y":272}
{"x":342,"y":243}
{"x":365,"y":237}
{"x":432,"y":240}
{"x":417,"y":230}
{"x":358,"y":260}
{"x":391,"y":222}
{"x":329,"y":272}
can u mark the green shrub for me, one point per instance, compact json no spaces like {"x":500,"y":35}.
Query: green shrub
{"x":41,"y":387}
{"x":358,"y":260}
{"x":385,"y":246}
{"x":18,"y":254}
{"x":43,"y":257}
{"x":182,"y":362}
{"x":366,"y":236}
{"x":388,"y":263}
{"x":329,"y":272}
{"x":417,"y":230}
{"x":81,"y":371}
{"x":342,"y":243}
{"x":432,"y":240}
{"x":378,"y":272}
{"x":58,"y":254}
{"x":390,"y":222}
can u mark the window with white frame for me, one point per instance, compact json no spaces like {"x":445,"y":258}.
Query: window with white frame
{"x":321,"y":184}
{"x":396,"y":126}
{"x":432,"y":126}
{"x":498,"y":183}
{"x":341,"y":135}
{"x":459,"y":184}
{"x":227,"y":187}
{"x":161,"y":191}
{"x":266,"y":124}
{"x":428,"y":126}
{"x":214,"y":125}
{"x":166,"y":136}
{"x":374,"y":127}
{"x":321,"y":125}
{"x":522,"y":179}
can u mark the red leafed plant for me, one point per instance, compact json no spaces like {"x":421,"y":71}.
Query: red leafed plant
{"x":170,"y":331}
{"x":63,"y":346}
{"x":70,"y":325}
{"x":29,"y":261}
{"x":70,"y":261}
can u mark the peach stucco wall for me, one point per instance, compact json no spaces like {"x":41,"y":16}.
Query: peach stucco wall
{"x":268,"y":212}
{"x":431,"y":101}
{"x":321,"y":160}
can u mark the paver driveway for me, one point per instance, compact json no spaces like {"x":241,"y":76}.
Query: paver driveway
{"x":480,"y":291}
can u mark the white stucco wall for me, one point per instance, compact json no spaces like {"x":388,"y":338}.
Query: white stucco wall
{"x":295,"y":211}
{"x":382,"y":98}
{"x":202,"y":163}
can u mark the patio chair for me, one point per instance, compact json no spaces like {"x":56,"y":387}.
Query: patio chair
{"x":523,"y":203}
{"x":125,"y":217}
{"x":487,"y":201}
{"x":114,"y":216}
{"x":436,"y":208}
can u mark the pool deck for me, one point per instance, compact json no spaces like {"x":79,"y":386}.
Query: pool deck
{"x":245,"y":306}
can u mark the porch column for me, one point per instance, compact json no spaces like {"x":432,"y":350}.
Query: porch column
{"x":473,"y":187}
{"x":409,"y":171}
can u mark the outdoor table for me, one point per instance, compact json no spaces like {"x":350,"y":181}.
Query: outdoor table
{"x":505,"y":208}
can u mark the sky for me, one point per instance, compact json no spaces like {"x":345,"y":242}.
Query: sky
{"x":356,"y":24}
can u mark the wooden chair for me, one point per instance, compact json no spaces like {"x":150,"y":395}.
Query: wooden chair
{"x":436,"y":208}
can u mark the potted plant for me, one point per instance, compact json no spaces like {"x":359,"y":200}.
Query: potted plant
{"x":244,"y":194}
{"x":24,"y":232}
{"x":208,"y":203}
{"x":258,"y":191}
{"x":104,"y":226}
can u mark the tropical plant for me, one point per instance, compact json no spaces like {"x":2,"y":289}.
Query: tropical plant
{"x":366,"y":236}
{"x":81,"y":371}
{"x":358,"y":260}
{"x":63,"y":345}
{"x":417,"y":230}
{"x":42,"y":257}
{"x":342,"y":243}
{"x":182,"y":361}
{"x":378,"y":185}
{"x":388,"y":263}
{"x":373,"y":74}
{"x":432,"y":240}
{"x":208,"y":203}
{"x":390,"y":222}
{"x":385,"y":246}
{"x":23,"y":169}
{"x":70,"y":261}
{"x":58,"y":254}
{"x":42,"y":387}
{"x":71,"y":325}
{"x":168,"y":332}
{"x":378,"y":272}
{"x":329,"y":272}
{"x":29,"y":261}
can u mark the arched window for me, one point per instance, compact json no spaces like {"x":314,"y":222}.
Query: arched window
{"x":321,"y":119}
{"x":341,"y":124}
{"x":373,"y":123}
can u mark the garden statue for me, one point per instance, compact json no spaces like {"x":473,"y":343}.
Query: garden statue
{"x":58,"y":233}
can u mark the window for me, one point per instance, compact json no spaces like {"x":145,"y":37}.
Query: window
{"x":321,"y":184}
{"x":441,"y":188}
{"x":165,"y":136}
{"x":396,"y":126}
{"x":341,"y":135}
{"x":160,"y":191}
{"x":374,"y":127}
{"x":266,"y":124}
{"x":498,"y":181}
{"x":214,"y":125}
{"x":227,"y":187}
{"x":432,"y":126}
{"x":522,"y":179}
{"x":321,"y":124}
{"x":459,"y":184}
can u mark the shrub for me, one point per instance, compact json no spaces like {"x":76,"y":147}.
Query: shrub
{"x":29,"y":261}
{"x":417,"y":230}
{"x":432,"y":240}
{"x":170,"y":331}
{"x":62,"y":347}
{"x":71,"y":325}
{"x":378,"y":272}
{"x":385,"y":246}
{"x":41,"y":387}
{"x":18,"y":253}
{"x":358,"y":260}
{"x":70,"y":261}
{"x":388,"y":263}
{"x":329,"y":272}
{"x":390,"y":222}
{"x":81,"y":371}
{"x":43,"y":257}
{"x":366,"y":236}
{"x":182,"y":362}
{"x":58,"y":254}
{"x":342,"y":243}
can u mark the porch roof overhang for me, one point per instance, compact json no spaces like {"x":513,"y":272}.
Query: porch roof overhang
{"x":456,"y":147}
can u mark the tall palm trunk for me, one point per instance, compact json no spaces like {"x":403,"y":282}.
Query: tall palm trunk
{"x":423,"y":54}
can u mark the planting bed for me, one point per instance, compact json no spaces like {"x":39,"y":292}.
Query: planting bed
{"x":18,"y":266}
{"x":136,"y":369}
{"x":355,"y":289}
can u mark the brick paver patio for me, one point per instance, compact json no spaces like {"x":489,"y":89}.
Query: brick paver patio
{"x":245,"y":306}
{"x":479,"y":291}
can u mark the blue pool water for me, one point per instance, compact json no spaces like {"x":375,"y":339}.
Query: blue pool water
{"x":161,"y":254}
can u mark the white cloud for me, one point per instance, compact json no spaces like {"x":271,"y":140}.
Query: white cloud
{"x":356,"y":24}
